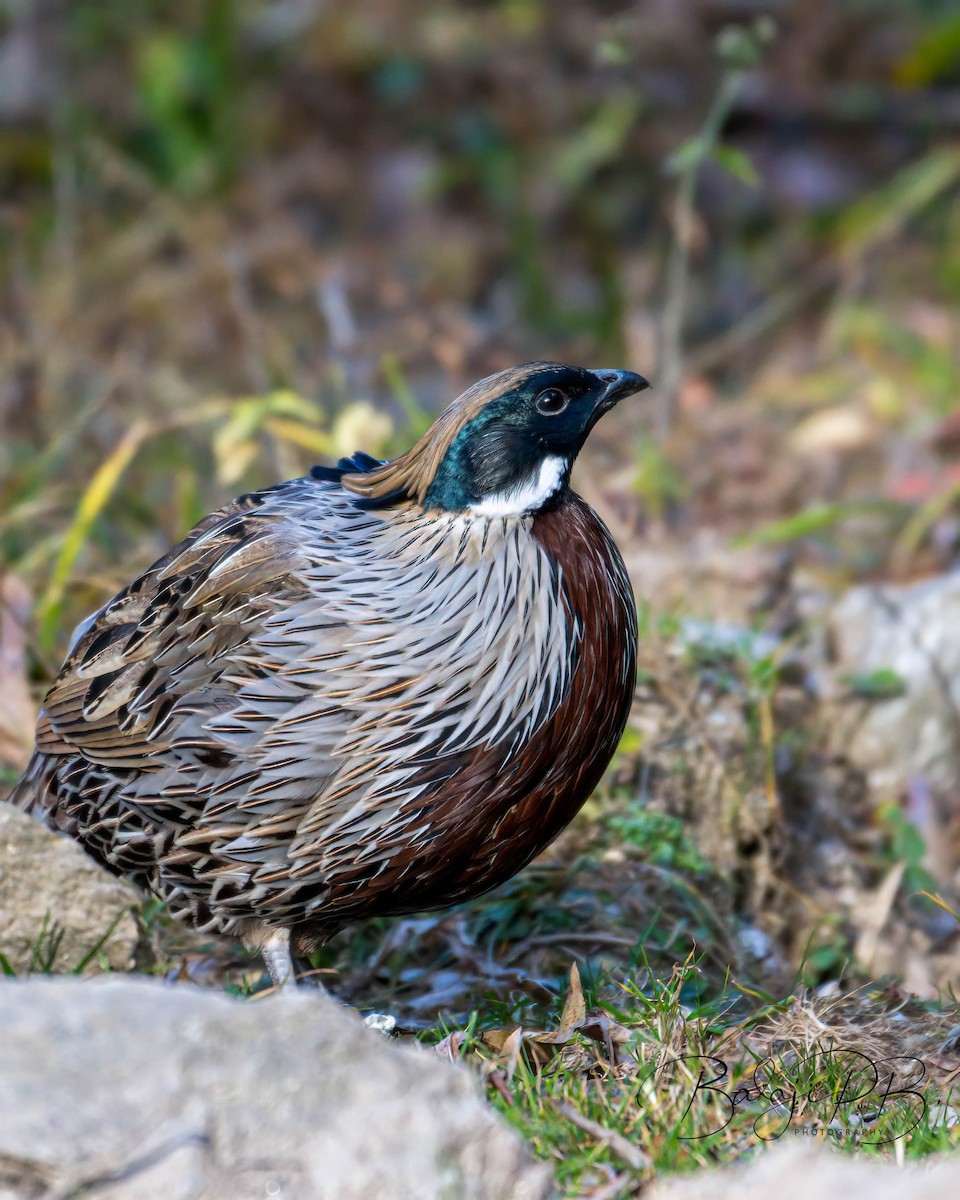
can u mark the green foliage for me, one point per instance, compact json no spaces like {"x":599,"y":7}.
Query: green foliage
{"x":688,"y":1081}
{"x":935,"y":56}
{"x":600,"y":141}
{"x":656,"y":480}
{"x":97,"y":494}
{"x":8,"y":776}
{"x":819,"y":517}
{"x":907,"y":846}
{"x":882,"y":684}
{"x":743,"y":46}
{"x":826,"y":954}
{"x":45,"y":950}
{"x":738,"y":48}
{"x":870,"y":222}
{"x":652,"y":623}
{"x":508,"y":172}
{"x":418,"y":419}
{"x":736,"y":163}
{"x":188,"y":95}
{"x":661,"y":838}
{"x":913,"y":364}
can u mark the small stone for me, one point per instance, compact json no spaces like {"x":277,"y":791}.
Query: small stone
{"x":910,"y":631}
{"x":808,"y":1171}
{"x":57,"y":904}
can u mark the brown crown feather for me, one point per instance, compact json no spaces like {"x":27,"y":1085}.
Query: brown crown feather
{"x":414,"y":472}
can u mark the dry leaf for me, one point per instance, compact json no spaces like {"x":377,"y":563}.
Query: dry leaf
{"x":575,"y":1007}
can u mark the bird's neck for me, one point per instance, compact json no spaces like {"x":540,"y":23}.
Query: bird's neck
{"x":527,"y":495}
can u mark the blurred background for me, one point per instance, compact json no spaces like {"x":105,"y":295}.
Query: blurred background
{"x":237,"y":238}
{"x":240,"y":236}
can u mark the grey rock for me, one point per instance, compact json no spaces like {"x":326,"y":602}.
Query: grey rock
{"x":135,"y":1090}
{"x":912,"y":630}
{"x":703,"y":576}
{"x":809,"y":1172}
{"x":57,"y":903}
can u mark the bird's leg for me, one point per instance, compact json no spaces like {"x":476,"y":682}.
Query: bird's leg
{"x":276,"y":954}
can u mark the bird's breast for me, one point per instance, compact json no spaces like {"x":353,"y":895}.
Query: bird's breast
{"x":497,"y":805}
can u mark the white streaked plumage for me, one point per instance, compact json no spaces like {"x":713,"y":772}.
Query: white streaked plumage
{"x":397,"y":636}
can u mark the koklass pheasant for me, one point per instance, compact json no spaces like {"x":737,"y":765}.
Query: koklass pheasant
{"x":379,"y":689}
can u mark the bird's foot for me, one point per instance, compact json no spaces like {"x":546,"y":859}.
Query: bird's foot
{"x":384,"y":1023}
{"x":276,"y":954}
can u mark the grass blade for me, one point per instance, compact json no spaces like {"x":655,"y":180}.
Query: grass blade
{"x":98,"y":492}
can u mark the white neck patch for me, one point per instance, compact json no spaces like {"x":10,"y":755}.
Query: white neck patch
{"x":527,"y":496}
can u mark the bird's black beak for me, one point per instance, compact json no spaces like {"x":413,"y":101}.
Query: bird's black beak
{"x":618,"y":384}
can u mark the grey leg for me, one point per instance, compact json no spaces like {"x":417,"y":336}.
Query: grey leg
{"x":276,"y":954}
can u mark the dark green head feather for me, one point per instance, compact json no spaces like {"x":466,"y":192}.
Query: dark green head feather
{"x":505,"y":446}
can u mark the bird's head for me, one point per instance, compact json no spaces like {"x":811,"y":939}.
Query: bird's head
{"x":503,"y":448}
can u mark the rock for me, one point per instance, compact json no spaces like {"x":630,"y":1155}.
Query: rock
{"x":911,"y":630}
{"x":837,"y":430}
{"x":18,"y":714}
{"x":56,"y":903}
{"x":808,"y":1172}
{"x":702,"y":576}
{"x":132,"y":1088}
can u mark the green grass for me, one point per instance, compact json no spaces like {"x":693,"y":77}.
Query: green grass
{"x":45,"y":952}
{"x":655,"y":1081}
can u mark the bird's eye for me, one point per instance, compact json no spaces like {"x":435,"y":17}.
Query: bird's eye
{"x":551,"y":401}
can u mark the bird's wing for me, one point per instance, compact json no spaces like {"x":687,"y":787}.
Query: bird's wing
{"x":167,"y":643}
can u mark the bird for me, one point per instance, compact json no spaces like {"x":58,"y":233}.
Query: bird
{"x":378,"y":689}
